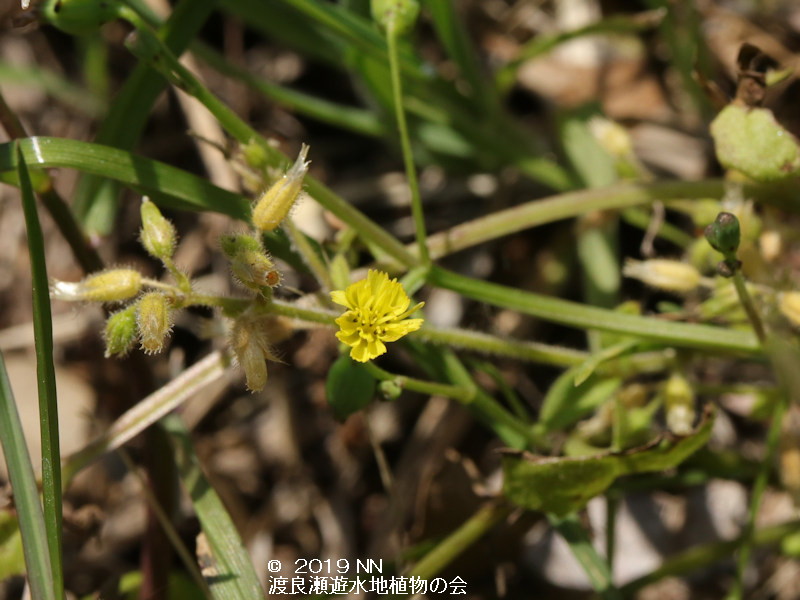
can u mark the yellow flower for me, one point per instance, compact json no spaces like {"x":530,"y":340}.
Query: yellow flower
{"x":377,"y":313}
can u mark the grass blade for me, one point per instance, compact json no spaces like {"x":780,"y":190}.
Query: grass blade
{"x":171,"y":186}
{"x":236,"y":578}
{"x":26,"y":495}
{"x":46,"y":379}
{"x":95,"y":199}
{"x":684,"y":335}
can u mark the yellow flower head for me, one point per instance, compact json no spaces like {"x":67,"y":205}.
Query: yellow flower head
{"x":377,"y":311}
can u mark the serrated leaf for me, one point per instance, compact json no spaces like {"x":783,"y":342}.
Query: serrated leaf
{"x":563,"y":485}
{"x":350,"y":387}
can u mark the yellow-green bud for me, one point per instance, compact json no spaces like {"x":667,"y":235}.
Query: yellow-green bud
{"x":250,"y":343}
{"x":78,"y":17}
{"x":158,"y":234}
{"x":275,"y":203}
{"x":789,"y":305}
{"x":395,"y":15}
{"x":250,"y":263}
{"x":679,"y":405}
{"x":107,"y":286}
{"x":255,"y":155}
{"x":121,"y":332}
{"x":154,"y":318}
{"x":669,"y":275}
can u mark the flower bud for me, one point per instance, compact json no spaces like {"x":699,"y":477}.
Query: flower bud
{"x":789,"y":305}
{"x":78,"y":17}
{"x":397,"y":15}
{"x":250,"y":263}
{"x":155,"y":321}
{"x":275,"y":203}
{"x":679,"y":405}
{"x":158,"y":234}
{"x":390,"y":389}
{"x":250,"y":343}
{"x":669,"y":275}
{"x":107,"y":286}
{"x":724,"y":233}
{"x":121,"y":332}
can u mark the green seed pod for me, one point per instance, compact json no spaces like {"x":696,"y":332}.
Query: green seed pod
{"x":250,"y":263}
{"x":158,"y":234}
{"x":396,"y":15}
{"x":154,"y":319}
{"x":724,"y":233}
{"x":121,"y":332}
{"x":78,"y":17}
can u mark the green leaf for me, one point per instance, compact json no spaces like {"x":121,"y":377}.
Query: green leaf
{"x":236,"y":578}
{"x":26,"y":494}
{"x":567,"y":401}
{"x":750,"y":140}
{"x":46,"y":378}
{"x":350,"y":387}
{"x":168,"y":185}
{"x":564,"y":485}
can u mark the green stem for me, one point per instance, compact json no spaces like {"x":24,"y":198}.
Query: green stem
{"x":759,"y":486}
{"x":572,"y":204}
{"x":596,"y":569}
{"x":462,"y":394}
{"x":749,"y":307}
{"x":703,"y":555}
{"x":405,"y":144}
{"x":149,"y":48}
{"x":310,"y":257}
{"x":589,"y":317}
{"x":460,"y":540}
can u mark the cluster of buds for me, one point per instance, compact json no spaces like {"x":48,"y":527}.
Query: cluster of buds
{"x":148,"y":314}
{"x":148,"y":318}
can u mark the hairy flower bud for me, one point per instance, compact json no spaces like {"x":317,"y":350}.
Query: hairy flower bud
{"x":275,"y":203}
{"x":250,"y":263}
{"x":158,"y":234}
{"x":669,"y":275}
{"x":250,"y":343}
{"x":113,"y":285}
{"x":154,"y":318}
{"x":121,"y":332}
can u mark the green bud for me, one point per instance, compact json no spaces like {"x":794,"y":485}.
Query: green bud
{"x":121,"y":332}
{"x":158,"y":234}
{"x":395,"y":15}
{"x":390,"y":389}
{"x":254,"y":155}
{"x":78,"y":17}
{"x":724,"y":234}
{"x":250,"y":263}
{"x":154,"y":318}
